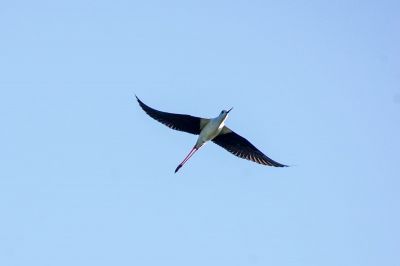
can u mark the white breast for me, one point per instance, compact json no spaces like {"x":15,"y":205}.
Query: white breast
{"x":210,"y":131}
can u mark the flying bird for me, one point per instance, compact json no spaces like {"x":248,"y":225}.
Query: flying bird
{"x":213,"y":129}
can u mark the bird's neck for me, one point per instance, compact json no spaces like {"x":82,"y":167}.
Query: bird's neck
{"x":220,"y":120}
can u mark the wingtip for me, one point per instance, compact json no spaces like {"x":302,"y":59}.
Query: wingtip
{"x":282,"y":165}
{"x":139,"y":101}
{"x":276,"y":164}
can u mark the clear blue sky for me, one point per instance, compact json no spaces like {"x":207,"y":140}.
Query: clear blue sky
{"x":86,"y":178}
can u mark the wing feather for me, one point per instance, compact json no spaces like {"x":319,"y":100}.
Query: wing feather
{"x":241,"y":147}
{"x":181,"y":122}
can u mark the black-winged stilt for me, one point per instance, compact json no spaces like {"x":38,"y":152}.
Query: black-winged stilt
{"x":210,"y":129}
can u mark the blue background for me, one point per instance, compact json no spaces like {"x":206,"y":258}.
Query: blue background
{"x":86,"y":177}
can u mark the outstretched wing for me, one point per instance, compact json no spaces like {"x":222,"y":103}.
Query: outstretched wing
{"x":186,"y":123}
{"x":241,"y":147}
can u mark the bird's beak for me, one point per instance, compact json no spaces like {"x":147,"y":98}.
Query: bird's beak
{"x":229,"y":110}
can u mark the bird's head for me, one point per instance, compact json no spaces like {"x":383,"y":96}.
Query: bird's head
{"x":224,"y":113}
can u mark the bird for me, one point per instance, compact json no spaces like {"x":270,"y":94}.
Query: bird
{"x":214,"y":130}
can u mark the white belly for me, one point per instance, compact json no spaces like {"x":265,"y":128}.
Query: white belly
{"x":210,"y":131}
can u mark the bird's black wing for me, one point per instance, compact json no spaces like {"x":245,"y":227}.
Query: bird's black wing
{"x":241,"y":147}
{"x":186,"y":123}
